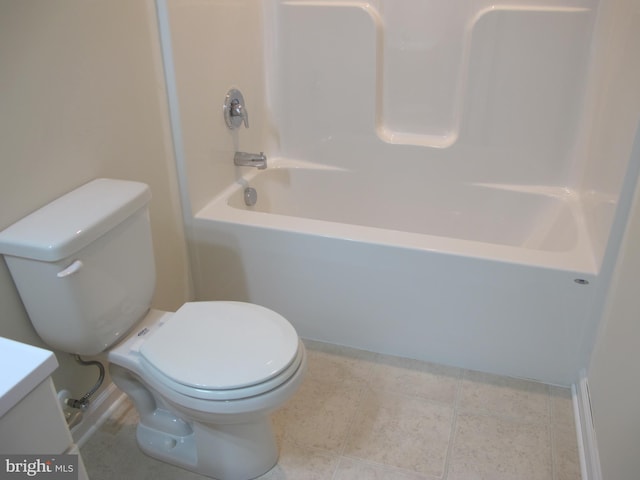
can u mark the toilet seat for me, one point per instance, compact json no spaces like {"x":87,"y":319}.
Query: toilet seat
{"x":222,"y":350}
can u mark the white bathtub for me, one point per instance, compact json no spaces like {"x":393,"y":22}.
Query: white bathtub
{"x":491,"y":277}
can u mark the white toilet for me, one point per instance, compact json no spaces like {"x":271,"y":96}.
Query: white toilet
{"x":204,"y":379}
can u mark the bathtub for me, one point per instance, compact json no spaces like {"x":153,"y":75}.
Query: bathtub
{"x":490,"y":277}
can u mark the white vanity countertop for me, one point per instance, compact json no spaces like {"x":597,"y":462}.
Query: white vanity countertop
{"x":22,"y":368}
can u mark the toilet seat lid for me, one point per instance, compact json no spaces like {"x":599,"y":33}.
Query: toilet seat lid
{"x":222,"y":345}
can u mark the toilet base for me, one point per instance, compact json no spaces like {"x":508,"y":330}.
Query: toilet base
{"x":237,"y":447}
{"x":225,"y":452}
{"x":225,"y":440}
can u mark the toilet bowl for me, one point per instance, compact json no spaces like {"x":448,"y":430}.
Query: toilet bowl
{"x":203,"y":379}
{"x":257,"y":366}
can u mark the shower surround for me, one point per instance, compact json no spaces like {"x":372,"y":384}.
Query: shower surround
{"x":442,"y":182}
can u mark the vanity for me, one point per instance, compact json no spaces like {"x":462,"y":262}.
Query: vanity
{"x":31,"y":418}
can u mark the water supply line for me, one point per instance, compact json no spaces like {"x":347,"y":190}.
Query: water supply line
{"x":83,"y":402}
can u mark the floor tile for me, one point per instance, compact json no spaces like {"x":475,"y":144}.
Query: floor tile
{"x":491,"y":448}
{"x":402,"y":431}
{"x":561,"y":406}
{"x":351,"y":469}
{"x":302,"y":463}
{"x":566,"y":460}
{"x":318,"y":415}
{"x":321,"y":411}
{"x":413,"y":377}
{"x":360,"y":415}
{"x":338,"y":365}
{"x":503,"y":396}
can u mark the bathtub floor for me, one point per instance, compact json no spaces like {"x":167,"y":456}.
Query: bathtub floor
{"x":360,"y":415}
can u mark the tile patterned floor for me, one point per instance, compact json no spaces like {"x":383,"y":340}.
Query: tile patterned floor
{"x":360,"y":415}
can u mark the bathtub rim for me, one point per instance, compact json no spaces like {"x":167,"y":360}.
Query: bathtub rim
{"x":579,"y":259}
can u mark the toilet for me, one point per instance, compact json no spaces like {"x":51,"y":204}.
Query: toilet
{"x":204,"y":379}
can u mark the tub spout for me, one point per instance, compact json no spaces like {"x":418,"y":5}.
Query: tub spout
{"x":243,"y":159}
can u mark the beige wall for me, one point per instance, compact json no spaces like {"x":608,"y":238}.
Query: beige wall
{"x":614,"y":383}
{"x":82,"y":96}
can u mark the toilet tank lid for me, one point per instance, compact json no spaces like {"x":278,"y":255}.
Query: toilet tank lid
{"x":69,"y":223}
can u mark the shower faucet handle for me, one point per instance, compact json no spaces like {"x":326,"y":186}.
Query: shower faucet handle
{"x":234,"y":110}
{"x":238,"y":110}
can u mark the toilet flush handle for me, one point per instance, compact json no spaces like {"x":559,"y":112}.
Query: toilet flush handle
{"x":70,"y":270}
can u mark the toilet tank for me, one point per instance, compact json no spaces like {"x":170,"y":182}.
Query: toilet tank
{"x":83,"y":264}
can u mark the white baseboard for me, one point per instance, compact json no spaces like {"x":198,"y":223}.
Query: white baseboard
{"x":587,"y":445}
{"x":97,"y":413}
